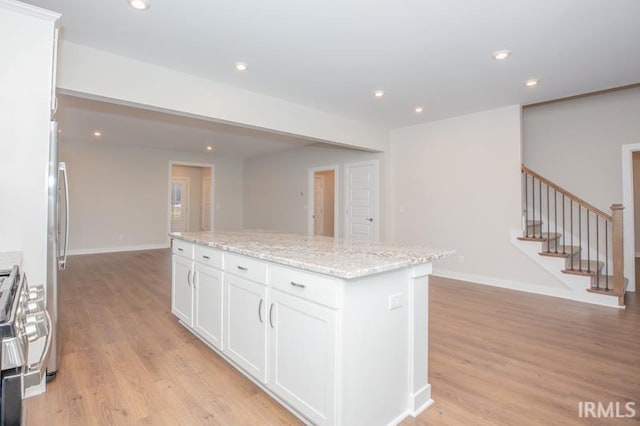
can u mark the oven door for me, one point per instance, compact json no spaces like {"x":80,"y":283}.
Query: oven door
{"x":11,"y":397}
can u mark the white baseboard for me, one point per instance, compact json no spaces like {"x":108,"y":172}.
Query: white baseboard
{"x":559,"y":292}
{"x":119,"y":249}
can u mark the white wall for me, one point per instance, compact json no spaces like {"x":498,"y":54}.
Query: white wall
{"x":577,"y":143}
{"x":89,"y":71}
{"x":275,"y":186}
{"x":456,"y":185}
{"x":119,"y":194}
{"x":26,"y":77}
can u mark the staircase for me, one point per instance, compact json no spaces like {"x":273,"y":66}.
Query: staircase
{"x":575,"y":241}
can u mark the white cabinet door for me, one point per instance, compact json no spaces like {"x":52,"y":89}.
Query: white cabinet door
{"x":181,"y":289}
{"x":246,"y":325}
{"x":207,"y":318}
{"x":303,"y":356}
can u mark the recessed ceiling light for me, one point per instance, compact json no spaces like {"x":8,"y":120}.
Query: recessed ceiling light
{"x":241,"y":66}
{"x":418,"y":110}
{"x":501,"y":55}
{"x":139,"y":4}
{"x":97,"y":133}
{"x":378,"y":93}
{"x":209,"y":148}
{"x":531,"y":83}
{"x":59,"y":130}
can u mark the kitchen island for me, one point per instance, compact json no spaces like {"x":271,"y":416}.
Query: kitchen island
{"x":335,"y":330}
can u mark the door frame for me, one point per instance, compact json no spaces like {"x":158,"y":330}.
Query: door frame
{"x":628,"y":214}
{"x":336,"y":197}
{"x":211,"y":196}
{"x":319,"y":178}
{"x":187,"y":181}
{"x":202,"y":203}
{"x":376,"y":191}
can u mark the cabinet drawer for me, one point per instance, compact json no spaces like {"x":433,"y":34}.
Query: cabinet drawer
{"x":252,"y":269}
{"x":316,"y":288}
{"x":182,"y":248}
{"x":208,"y":256}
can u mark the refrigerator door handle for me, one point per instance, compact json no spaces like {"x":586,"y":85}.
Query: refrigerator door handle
{"x":62,"y":262}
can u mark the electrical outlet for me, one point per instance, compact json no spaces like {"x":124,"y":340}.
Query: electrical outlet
{"x":461,"y":259}
{"x":395,"y":301}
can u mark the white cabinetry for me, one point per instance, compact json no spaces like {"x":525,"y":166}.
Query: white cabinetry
{"x":246,"y":315}
{"x":207,"y":287}
{"x":334,"y":351}
{"x":28,"y":39}
{"x":303,"y":356}
{"x":207,"y":318}
{"x":181,"y":286}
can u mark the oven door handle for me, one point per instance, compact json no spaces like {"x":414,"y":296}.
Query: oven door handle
{"x":35,"y":372}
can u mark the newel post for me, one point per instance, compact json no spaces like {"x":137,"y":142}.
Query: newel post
{"x":618,"y":253}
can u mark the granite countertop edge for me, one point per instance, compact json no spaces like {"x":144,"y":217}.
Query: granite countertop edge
{"x":344,"y":272}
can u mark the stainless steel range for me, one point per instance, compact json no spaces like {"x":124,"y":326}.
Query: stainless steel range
{"x":23,"y":320}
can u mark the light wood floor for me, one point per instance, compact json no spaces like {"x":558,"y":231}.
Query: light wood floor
{"x":497,"y":357}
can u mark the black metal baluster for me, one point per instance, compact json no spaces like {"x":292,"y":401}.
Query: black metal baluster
{"x":564,"y":228}
{"x":606,"y":247}
{"x":526,"y":204}
{"x":597,"y":248}
{"x":580,"y":234}
{"x":548,"y":221}
{"x":533,"y":199}
{"x":540,"y":194}
{"x":588,"y":245}
{"x":555,"y":215}
{"x":571,"y":223}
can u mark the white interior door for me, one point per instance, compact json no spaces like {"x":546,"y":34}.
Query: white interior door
{"x":206,"y":204}
{"x":361,"y":201}
{"x":318,"y":204}
{"x":179,"y":204}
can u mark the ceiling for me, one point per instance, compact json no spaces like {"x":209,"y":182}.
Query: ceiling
{"x":332,"y":54}
{"x":78,"y":119}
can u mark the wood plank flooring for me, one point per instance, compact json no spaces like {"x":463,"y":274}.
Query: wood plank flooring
{"x":497,"y":357}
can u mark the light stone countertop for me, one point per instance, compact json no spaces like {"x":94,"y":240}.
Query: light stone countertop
{"x":346,"y":259}
{"x":10,"y":258}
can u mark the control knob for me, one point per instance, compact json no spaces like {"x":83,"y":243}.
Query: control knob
{"x":35,"y":326}
{"x":34,"y":307}
{"x":36,"y":293}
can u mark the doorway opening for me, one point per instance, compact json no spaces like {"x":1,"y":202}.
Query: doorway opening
{"x":323,"y":201}
{"x":191,"y":197}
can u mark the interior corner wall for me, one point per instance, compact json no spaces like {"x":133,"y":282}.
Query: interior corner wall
{"x":275,"y":186}
{"x":577,"y":143}
{"x":119,"y":194}
{"x":456,"y":184}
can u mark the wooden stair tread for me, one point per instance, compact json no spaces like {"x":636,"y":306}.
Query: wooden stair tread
{"x":604,"y":291}
{"x":563,"y":251}
{"x":545,"y":236}
{"x":584,"y":267}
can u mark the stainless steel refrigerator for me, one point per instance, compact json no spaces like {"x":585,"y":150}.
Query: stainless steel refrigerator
{"x":57,"y":241}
